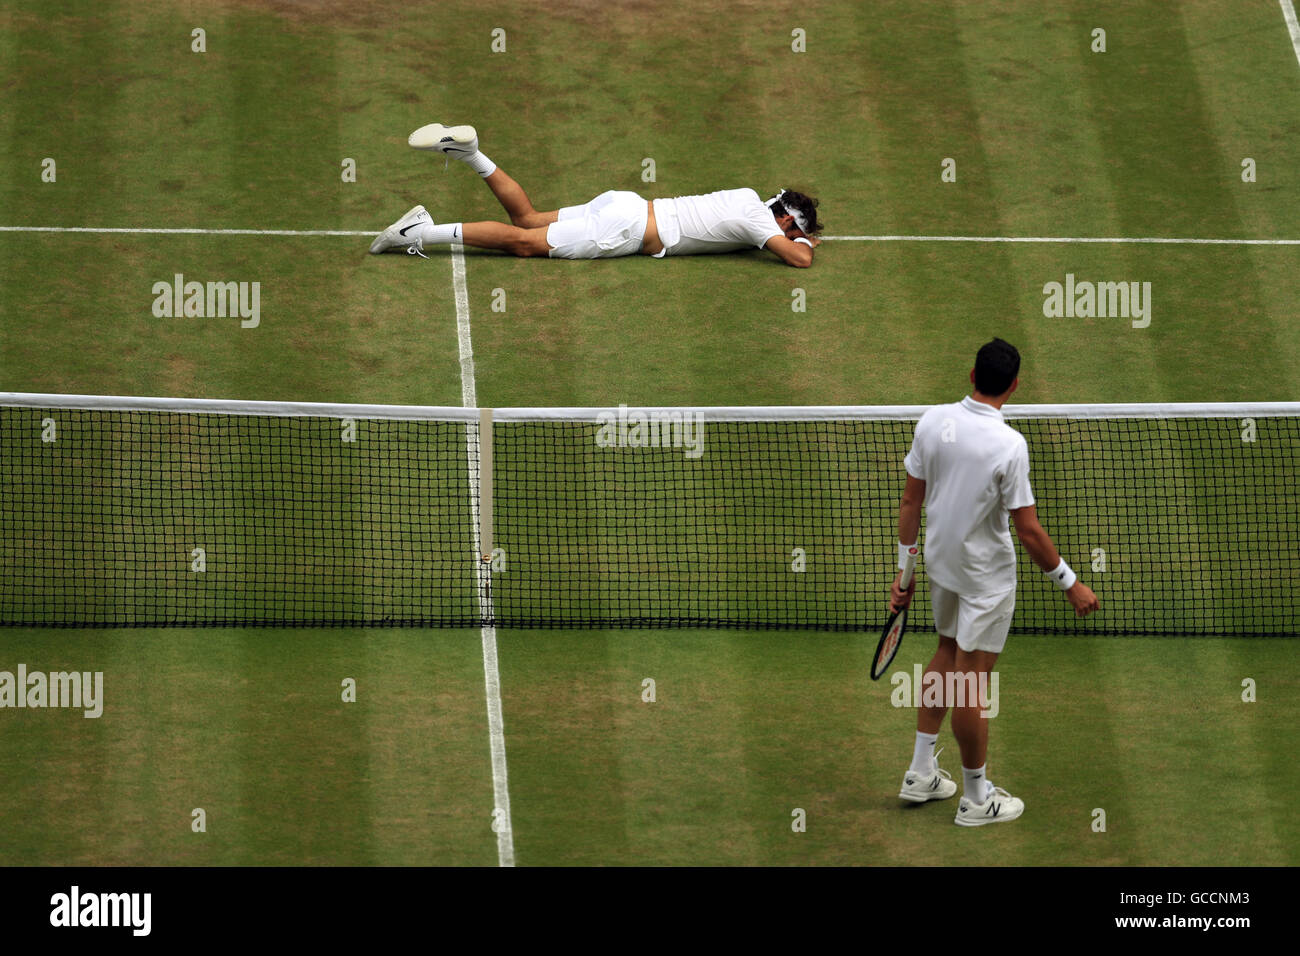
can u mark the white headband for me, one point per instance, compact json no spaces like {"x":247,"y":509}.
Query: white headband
{"x":798,"y":217}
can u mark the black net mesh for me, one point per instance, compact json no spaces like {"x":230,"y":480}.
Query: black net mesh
{"x":182,"y":518}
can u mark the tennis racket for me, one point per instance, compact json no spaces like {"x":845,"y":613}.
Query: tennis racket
{"x":896,"y":625}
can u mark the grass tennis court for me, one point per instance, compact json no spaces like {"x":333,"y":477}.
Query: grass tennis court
{"x":1049,"y":139}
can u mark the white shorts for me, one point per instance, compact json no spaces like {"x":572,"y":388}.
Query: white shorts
{"x":612,"y":224}
{"x":979,"y":623}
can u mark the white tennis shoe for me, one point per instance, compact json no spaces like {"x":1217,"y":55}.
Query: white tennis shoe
{"x":998,"y":807}
{"x":397,"y":236}
{"x":921,"y":788}
{"x":457,"y":142}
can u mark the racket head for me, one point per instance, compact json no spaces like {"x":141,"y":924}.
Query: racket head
{"x":890,"y":640}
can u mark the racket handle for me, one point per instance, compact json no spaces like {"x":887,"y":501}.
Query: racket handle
{"x":909,"y":565}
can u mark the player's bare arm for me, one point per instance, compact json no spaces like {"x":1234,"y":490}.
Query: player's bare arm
{"x":1038,"y":543}
{"x":909,"y":527}
{"x":792,"y":253}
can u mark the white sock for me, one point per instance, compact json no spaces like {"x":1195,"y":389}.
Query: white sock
{"x":431,"y":234}
{"x":976,"y":784}
{"x":923,"y":753}
{"x":480,"y":164}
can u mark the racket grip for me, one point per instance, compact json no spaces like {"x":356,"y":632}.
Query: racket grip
{"x":909,"y":565}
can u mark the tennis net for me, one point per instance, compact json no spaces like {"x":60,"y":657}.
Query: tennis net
{"x":172,"y":512}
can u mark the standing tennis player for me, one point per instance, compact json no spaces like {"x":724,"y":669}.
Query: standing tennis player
{"x":971,"y":470}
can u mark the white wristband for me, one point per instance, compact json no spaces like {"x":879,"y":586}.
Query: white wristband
{"x":1063,"y":577}
{"x":904,"y":550}
{"x":805,"y":241}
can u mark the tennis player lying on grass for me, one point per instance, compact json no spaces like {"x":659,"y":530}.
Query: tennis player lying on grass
{"x":971,"y":470}
{"x":614,"y":223}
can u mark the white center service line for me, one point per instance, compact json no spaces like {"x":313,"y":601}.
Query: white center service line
{"x":1292,"y":25}
{"x":501,"y":821}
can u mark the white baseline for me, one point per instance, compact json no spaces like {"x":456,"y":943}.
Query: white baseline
{"x":1155,"y":240}
{"x":191,"y":232}
{"x":1158,"y":240}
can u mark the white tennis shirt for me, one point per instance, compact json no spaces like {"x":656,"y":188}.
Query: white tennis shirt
{"x":723,"y":221}
{"x":976,"y":470}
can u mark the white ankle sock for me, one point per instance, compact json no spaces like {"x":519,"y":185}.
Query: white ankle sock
{"x":431,"y":234}
{"x":480,"y":164}
{"x":923,"y":753}
{"x":976,"y":784}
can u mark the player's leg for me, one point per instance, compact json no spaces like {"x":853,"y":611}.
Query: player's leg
{"x":612,"y":224}
{"x":924,"y":781}
{"x":968,"y":726}
{"x":461,"y":142}
{"x":516,"y":203}
{"x":929,"y":718}
{"x":417,"y":230}
{"x":982,"y":626}
{"x":512,"y":239}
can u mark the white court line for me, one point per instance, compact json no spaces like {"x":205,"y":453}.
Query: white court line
{"x":1157,"y":240}
{"x":465,"y":346}
{"x":491,"y":675}
{"x":1292,"y":25}
{"x":192,"y":232}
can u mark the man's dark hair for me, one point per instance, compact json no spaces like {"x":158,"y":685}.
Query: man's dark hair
{"x":996,"y":366}
{"x":805,"y":205}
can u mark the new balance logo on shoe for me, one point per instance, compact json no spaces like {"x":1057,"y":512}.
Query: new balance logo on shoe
{"x":923,"y":787}
{"x":999,"y":807}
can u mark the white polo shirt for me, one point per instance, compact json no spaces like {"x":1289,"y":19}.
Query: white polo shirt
{"x":976,"y":469}
{"x":724,"y":221}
